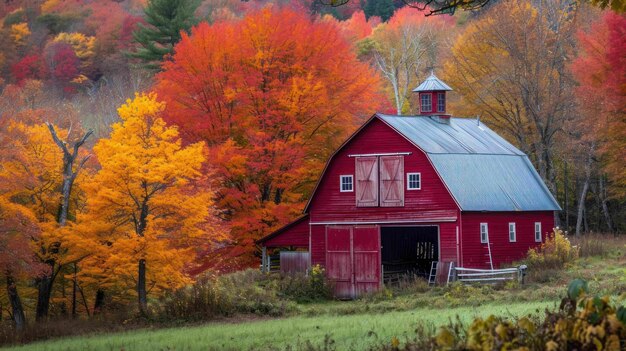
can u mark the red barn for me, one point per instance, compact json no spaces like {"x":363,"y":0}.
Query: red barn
{"x":404,"y":191}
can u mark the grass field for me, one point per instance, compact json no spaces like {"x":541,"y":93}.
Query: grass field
{"x":357,"y":331}
{"x":371,"y":321}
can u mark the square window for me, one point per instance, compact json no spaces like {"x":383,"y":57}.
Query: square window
{"x":413,"y":181}
{"x":484,"y":233}
{"x":426,"y":102}
{"x":441,"y":102}
{"x":538,"y":232}
{"x":345,"y":183}
{"x":512,"y":234}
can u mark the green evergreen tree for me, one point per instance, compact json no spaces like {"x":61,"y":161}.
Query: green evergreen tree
{"x":166,"y":19}
{"x":381,"y":8}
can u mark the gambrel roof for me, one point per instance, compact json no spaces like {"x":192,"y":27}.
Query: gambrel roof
{"x":482,"y":171}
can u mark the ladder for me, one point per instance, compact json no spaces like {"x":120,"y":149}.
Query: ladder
{"x":432,"y":278}
{"x":451,"y":273}
{"x":489,"y":250}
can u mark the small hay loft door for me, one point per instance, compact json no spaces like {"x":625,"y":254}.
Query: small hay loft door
{"x":353,"y":259}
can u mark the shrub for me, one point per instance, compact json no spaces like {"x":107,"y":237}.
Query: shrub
{"x":582,"y":323}
{"x":555,"y":253}
{"x":212,"y":296}
{"x":303,"y":288}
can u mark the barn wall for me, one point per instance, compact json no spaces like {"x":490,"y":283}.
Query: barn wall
{"x":294,"y":235}
{"x":447,"y":242}
{"x":318,"y":245}
{"x":475,"y":254}
{"x":433,"y":202}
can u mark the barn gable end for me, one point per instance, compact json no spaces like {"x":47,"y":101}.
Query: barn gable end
{"x":431,"y":203}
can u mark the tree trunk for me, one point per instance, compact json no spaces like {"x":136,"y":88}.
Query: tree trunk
{"x":566,"y":188}
{"x":70,"y":171}
{"x":605,"y":206}
{"x":99,"y":303}
{"x":583,"y":192}
{"x":44,"y":290}
{"x":74,"y":292}
{"x":16,"y":304}
{"x":141,"y":288}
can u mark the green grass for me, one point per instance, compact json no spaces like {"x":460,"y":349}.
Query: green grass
{"x":357,"y":331}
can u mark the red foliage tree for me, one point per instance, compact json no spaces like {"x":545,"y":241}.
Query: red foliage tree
{"x":272,"y":95}
{"x":601,"y":71}
{"x":63,"y":63}
{"x":18,"y":229}
{"x":29,"y":67}
{"x":129,"y":25}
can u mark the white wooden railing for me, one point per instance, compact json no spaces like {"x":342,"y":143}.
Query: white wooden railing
{"x":473,"y":275}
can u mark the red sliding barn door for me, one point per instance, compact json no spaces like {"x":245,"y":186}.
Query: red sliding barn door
{"x":339,"y":259}
{"x":353,"y":259}
{"x":366,"y":254}
{"x":391,"y":181}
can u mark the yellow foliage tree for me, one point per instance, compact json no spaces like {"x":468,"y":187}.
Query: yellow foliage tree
{"x":32,"y":171}
{"x":509,"y":66}
{"x":83,"y":45}
{"x":143,"y":201}
{"x":29,"y":169}
{"x":19,"y":33}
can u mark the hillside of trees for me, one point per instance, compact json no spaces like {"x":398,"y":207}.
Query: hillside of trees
{"x":143,"y":142}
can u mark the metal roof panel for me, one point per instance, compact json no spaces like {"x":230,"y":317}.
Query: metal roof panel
{"x":483,"y":171}
{"x":432,"y":83}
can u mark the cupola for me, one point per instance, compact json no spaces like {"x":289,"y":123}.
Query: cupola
{"x":432,"y":97}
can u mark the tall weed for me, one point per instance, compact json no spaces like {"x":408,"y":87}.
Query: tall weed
{"x":212,"y":296}
{"x":555,"y":253}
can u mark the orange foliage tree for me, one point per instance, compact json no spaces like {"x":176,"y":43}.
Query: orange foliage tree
{"x":272,"y":95}
{"x":143,"y":204}
{"x":40,"y":176}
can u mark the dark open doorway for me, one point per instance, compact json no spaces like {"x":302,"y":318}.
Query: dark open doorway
{"x":408,"y":251}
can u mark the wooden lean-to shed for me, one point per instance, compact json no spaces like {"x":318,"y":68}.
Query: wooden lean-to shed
{"x":405,"y":191}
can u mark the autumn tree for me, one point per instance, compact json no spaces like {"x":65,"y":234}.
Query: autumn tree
{"x":403,"y":49}
{"x":599,"y":69}
{"x":39,"y":168}
{"x":510,"y":68}
{"x":272,"y":95}
{"x":357,"y":27}
{"x":28,"y":67}
{"x":166,"y":20}
{"x":143,"y":198}
{"x":18,"y":230}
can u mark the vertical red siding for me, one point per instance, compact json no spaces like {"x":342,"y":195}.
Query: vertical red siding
{"x":433,"y":201}
{"x":475,"y":254}
{"x":318,"y":245}
{"x":447,"y":242}
{"x":292,"y":235}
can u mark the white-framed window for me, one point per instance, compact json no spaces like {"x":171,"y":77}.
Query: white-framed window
{"x":441,"y":102}
{"x":426,"y":102}
{"x":346,"y":183}
{"x":484,"y":233}
{"x":538,"y":232}
{"x":512,"y":233}
{"x":413,"y":181}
